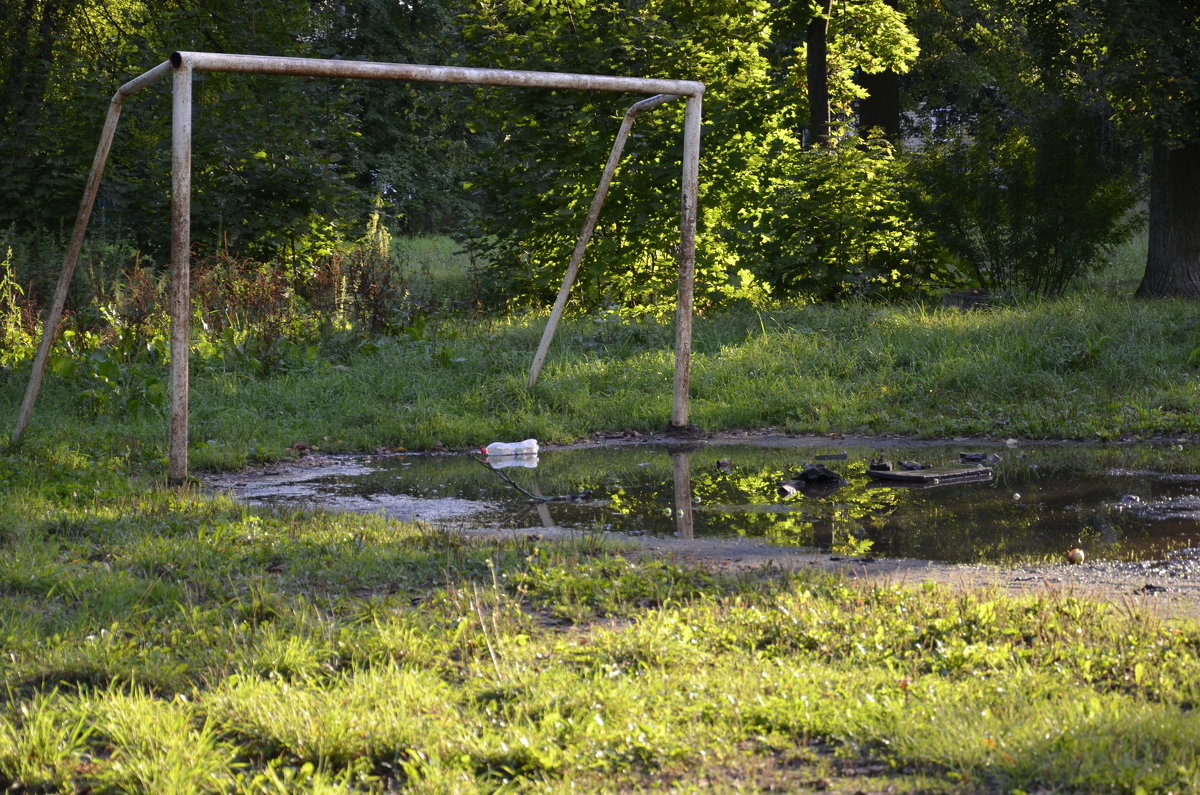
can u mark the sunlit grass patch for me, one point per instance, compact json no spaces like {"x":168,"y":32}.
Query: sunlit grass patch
{"x":160,"y":639}
{"x":367,"y":717}
{"x":536,"y":664}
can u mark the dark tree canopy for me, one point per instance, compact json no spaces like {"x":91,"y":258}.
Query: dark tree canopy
{"x":965,"y":141}
{"x":1143,"y":58}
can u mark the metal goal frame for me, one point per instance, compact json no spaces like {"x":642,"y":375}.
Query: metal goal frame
{"x":183,"y":65}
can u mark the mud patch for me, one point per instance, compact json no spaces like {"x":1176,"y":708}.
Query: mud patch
{"x":321,"y":484}
{"x":1135,"y":509}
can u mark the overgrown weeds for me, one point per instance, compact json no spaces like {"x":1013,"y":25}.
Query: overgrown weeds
{"x":1048,"y":368}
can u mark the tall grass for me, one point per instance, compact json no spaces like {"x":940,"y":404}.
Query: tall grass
{"x":1089,"y":367}
{"x":1095,"y":364}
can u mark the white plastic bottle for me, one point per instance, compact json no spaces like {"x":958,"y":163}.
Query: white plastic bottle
{"x":527,"y":447}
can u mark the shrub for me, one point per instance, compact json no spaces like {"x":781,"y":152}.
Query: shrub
{"x":1029,"y":207}
{"x":838,"y":223}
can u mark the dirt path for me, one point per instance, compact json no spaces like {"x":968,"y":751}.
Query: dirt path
{"x":1163,"y":588}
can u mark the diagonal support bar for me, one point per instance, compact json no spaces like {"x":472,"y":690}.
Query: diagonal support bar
{"x":589,"y":226}
{"x":54,"y":314}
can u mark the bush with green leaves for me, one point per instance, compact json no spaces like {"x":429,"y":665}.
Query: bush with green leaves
{"x":1029,"y":206}
{"x":537,"y":183}
{"x":838,"y":224}
{"x":16,"y":339}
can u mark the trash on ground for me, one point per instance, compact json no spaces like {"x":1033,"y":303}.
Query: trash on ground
{"x":810,"y":475}
{"x":504,"y":461}
{"x":931,"y":475}
{"x":527,"y":447}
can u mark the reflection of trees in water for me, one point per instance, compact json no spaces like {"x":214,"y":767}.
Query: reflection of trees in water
{"x":1064,"y":498}
{"x":744,"y":501}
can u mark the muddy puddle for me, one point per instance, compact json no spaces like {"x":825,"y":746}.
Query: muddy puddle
{"x":1118,"y":502}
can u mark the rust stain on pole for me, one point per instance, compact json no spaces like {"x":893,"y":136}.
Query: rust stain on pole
{"x":687,"y":261}
{"x":589,"y":227}
{"x":420,"y":73}
{"x":181,"y":243}
{"x":54,"y":313}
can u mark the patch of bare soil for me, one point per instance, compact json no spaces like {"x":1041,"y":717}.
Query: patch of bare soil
{"x":1153,"y":586}
{"x":1170,"y":589}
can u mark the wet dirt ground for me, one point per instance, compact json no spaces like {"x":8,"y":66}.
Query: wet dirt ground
{"x":1169,"y":587}
{"x":1164,"y":588}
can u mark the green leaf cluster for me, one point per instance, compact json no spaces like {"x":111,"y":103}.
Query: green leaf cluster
{"x":536,"y":185}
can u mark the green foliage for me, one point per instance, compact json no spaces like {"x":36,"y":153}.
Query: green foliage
{"x":539,"y":179}
{"x":1140,"y":55}
{"x":1018,"y":174}
{"x":412,"y":146}
{"x":114,"y":375}
{"x":286,"y":170}
{"x":269,"y":154}
{"x":16,"y":338}
{"x":1032,"y":207}
{"x":837,"y":226}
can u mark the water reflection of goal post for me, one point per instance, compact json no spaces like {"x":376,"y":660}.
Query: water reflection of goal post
{"x":184,"y":64}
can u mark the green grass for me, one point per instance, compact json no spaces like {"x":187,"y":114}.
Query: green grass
{"x":1091,"y":366}
{"x":170,"y":641}
{"x":437,"y":269}
{"x":160,"y":641}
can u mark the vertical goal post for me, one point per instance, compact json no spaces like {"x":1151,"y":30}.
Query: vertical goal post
{"x":183,"y":65}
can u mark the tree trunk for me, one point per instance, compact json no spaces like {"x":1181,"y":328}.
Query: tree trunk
{"x":1173,"y":258}
{"x":817,"y":67}
{"x":881,"y":108}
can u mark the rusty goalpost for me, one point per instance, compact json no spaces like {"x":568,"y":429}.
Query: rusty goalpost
{"x":183,"y":65}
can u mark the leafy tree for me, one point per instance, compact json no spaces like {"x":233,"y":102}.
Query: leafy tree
{"x":265,"y":149}
{"x":834,"y":224}
{"x":538,"y":181}
{"x":1033,"y":205}
{"x":1020,"y":177}
{"x":1143,"y":58}
{"x":30,"y":36}
{"x":414,"y":147}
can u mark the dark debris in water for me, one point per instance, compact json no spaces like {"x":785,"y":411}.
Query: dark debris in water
{"x":1132,"y":504}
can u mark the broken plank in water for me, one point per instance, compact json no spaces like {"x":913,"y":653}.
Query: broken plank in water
{"x":933,"y":474}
